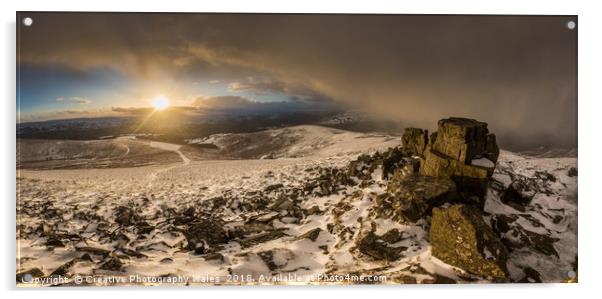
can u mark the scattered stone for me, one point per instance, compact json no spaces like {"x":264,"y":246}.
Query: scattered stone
{"x":94,"y":250}
{"x":314,"y":210}
{"x":207,"y":231}
{"x":393,"y":160}
{"x":276,"y":258}
{"x":312,"y":234}
{"x":373,"y":246}
{"x":54,"y":241}
{"x":572,"y":172}
{"x":113,"y":264}
{"x":216,"y":256}
{"x":460,"y":237}
{"x":273,"y":187}
{"x":519,"y":191}
{"x":262,"y":238}
{"x":392,"y":236}
{"x":125,"y":216}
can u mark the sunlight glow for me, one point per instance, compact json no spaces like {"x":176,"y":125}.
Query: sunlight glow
{"x":160,"y":102}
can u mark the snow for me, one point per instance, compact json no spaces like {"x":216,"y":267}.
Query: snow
{"x":483,"y":162}
{"x":344,"y":217}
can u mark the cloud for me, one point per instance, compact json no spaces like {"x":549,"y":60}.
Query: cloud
{"x":518,"y":73}
{"x":294,"y":91}
{"x":76,"y":100}
{"x":222,"y":102}
{"x":214,"y":81}
{"x":80,"y":100}
{"x":65,"y":114}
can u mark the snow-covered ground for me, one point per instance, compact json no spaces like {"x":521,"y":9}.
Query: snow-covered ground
{"x":138,"y":221}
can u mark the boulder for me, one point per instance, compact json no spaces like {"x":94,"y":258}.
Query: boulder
{"x":414,"y":140}
{"x":469,"y":179}
{"x":460,"y":237}
{"x":465,"y":139}
{"x":463,"y":150}
{"x":414,"y":196}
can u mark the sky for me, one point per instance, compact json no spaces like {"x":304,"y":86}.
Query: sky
{"x":517,"y":73}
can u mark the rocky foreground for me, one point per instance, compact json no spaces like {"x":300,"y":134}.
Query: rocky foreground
{"x":442,"y":208}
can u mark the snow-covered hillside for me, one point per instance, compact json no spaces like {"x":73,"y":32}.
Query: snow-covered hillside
{"x":297,"y":141}
{"x":311,"y":215}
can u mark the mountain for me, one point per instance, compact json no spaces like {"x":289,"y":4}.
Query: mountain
{"x":323,"y":205}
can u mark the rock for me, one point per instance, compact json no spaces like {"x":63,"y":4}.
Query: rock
{"x":469,"y":179}
{"x":465,"y":139}
{"x":572,"y":172}
{"x":94,"y":250}
{"x":314,"y":210}
{"x":262,"y":237}
{"x":206,"y":231}
{"x":392,"y":236}
{"x":373,"y":246}
{"x":519,"y":191}
{"x":113,"y":264}
{"x":273,"y":187}
{"x":414,"y":140}
{"x":216,"y":256}
{"x":276,"y":258}
{"x":64,"y":269}
{"x":311,"y":234}
{"x":451,"y":151}
{"x":414,"y":196}
{"x":54,"y":241}
{"x":393,"y":159}
{"x":125,"y":216}
{"x":459,"y":237}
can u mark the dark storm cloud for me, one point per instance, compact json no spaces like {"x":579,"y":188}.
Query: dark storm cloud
{"x":518,"y":73}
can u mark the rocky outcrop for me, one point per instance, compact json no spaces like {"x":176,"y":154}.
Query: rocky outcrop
{"x":465,"y":139}
{"x":459,"y":237}
{"x":415,"y":140}
{"x":463,"y":150}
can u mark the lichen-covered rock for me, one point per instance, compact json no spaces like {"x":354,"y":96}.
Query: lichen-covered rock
{"x":465,"y":139}
{"x":414,"y":140}
{"x":414,"y":196}
{"x":469,"y":179}
{"x":459,"y":237}
{"x":452,"y":150}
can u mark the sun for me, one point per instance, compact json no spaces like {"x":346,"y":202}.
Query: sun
{"x":160,"y":102}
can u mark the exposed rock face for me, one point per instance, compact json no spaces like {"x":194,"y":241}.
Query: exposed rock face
{"x":465,"y":139}
{"x":460,"y":237}
{"x":414,"y":140}
{"x":452,"y":149}
{"x":414,"y":196}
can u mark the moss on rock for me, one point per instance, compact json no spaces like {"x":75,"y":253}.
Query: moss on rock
{"x":460,"y":237}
